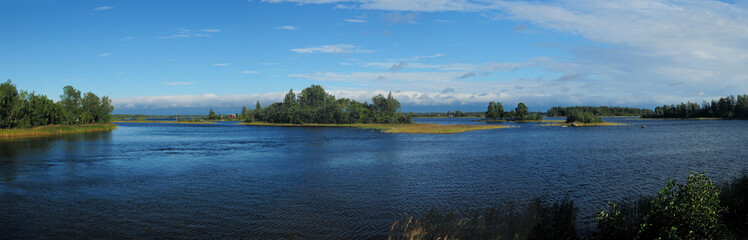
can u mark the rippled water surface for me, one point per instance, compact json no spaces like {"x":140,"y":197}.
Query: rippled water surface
{"x":227,"y":180}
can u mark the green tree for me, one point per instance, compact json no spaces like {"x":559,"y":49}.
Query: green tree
{"x":42,"y":110}
{"x":257,"y":114}
{"x":490,"y":112}
{"x":70,"y":101}
{"x":9,"y":101}
{"x":212,"y":115}
{"x":521,"y":112}
{"x":690,"y":211}
{"x":246,"y":114}
{"x":499,"y":110}
{"x":290,"y":108}
{"x":90,"y":108}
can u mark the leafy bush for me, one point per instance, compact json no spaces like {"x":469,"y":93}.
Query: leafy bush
{"x":623,"y":219}
{"x":690,"y":211}
{"x":582,"y":117}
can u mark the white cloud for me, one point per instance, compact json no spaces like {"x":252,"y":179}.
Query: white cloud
{"x":250,"y":72}
{"x":337,"y":48}
{"x":355,"y":20}
{"x":188,"y":33}
{"x":221,"y":64}
{"x":102,"y":8}
{"x":364,"y":77}
{"x":287,"y":27}
{"x":104,"y":54}
{"x":401,"y":5}
{"x":644,"y":47}
{"x":178,"y":83}
{"x":191,"y":101}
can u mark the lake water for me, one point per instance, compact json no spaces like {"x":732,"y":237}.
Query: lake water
{"x":231,"y":181}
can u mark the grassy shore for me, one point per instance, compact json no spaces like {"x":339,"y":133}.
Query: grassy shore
{"x":641,"y":118}
{"x":520,"y":121}
{"x":52,"y":130}
{"x":148,"y":121}
{"x":425,"y":128}
{"x":597,"y":124}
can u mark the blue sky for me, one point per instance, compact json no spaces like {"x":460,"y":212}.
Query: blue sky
{"x":162,"y":57}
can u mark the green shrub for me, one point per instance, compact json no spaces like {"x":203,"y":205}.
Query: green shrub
{"x":582,"y":117}
{"x":690,"y":211}
{"x":622,"y":219}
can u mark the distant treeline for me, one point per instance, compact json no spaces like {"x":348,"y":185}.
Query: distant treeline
{"x":314,"y":105}
{"x":23,"y":109}
{"x":495,"y":111}
{"x":456,"y":113}
{"x":727,"y":107}
{"x":598,"y":111}
{"x":143,"y":116}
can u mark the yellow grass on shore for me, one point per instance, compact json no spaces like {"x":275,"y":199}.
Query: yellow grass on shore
{"x":52,"y":130}
{"x":521,"y":121}
{"x":598,"y":124}
{"x":425,"y":128}
{"x":148,"y":121}
{"x":679,"y":118}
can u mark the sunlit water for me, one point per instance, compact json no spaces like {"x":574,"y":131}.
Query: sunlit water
{"x":231,"y":181}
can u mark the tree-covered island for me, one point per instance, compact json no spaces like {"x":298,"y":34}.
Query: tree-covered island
{"x":24,"y":114}
{"x":315,"y":107}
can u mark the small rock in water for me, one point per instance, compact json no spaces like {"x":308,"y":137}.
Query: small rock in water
{"x":644,"y":126}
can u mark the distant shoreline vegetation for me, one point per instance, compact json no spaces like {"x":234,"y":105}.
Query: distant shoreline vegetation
{"x":608,"y":111}
{"x":724,"y":108}
{"x":314,"y":105}
{"x":23,"y":111}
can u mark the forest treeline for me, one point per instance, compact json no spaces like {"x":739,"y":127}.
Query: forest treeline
{"x":598,"y":111}
{"x":21,"y":109}
{"x":314,"y":105}
{"x":726,"y":107}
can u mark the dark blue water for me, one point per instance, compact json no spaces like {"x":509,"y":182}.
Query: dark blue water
{"x":235,"y":181}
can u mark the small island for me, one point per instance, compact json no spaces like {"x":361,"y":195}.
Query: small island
{"x":314,"y":107}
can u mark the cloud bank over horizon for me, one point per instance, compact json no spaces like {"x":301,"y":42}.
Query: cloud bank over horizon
{"x":431,"y":54}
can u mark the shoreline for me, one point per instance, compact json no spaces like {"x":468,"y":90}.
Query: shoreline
{"x":598,"y":124}
{"x":421,"y":128}
{"x":520,"y":121}
{"x":54,"y":130}
{"x":148,"y":121}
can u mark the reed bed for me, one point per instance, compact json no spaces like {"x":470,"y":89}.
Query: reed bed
{"x":52,"y":130}
{"x":538,"y":219}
